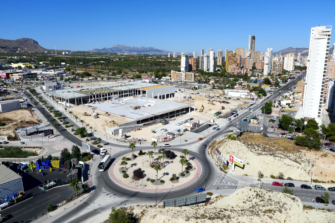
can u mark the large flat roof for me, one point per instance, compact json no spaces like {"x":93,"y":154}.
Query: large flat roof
{"x":7,"y":175}
{"x":87,"y":90}
{"x":148,"y":107}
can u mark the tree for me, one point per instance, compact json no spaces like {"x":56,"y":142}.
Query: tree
{"x":290,"y":129}
{"x":262,"y":91}
{"x":138,"y":173}
{"x":65,"y":154}
{"x":91,"y":128}
{"x":182,"y":162}
{"x":85,"y":187}
{"x":285,"y":121}
{"x":159,"y":158}
{"x":50,"y":208}
{"x":124,"y":163}
{"x":267,"y":81}
{"x":302,"y":141}
{"x":157,"y":168}
{"x":163,"y":154}
{"x":154,"y":144}
{"x":311,"y":123}
{"x":150,"y":155}
{"x":185,"y":152}
{"x":76,"y":152}
{"x":325,"y":197}
{"x":299,"y":124}
{"x":267,"y":108}
{"x":281,"y":175}
{"x":120,"y":216}
{"x":132,"y":146}
{"x":277,"y":84}
{"x":70,"y":112}
{"x":287,"y":191}
{"x":82,"y":122}
{"x":98,"y":140}
{"x":74,"y":184}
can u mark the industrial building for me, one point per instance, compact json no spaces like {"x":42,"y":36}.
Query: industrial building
{"x":10,"y":182}
{"x":84,"y":95}
{"x":9,"y":105}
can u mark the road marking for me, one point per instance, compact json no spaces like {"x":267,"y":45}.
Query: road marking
{"x":36,"y":206}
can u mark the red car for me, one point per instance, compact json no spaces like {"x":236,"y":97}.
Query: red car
{"x":277,"y":184}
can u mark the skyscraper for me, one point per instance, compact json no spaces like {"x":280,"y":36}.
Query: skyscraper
{"x":212,"y":61}
{"x":240,"y":51}
{"x":219,"y":61}
{"x":252,"y":43}
{"x":184,"y":62}
{"x":277,"y":64}
{"x":299,"y":57}
{"x":202,"y":52}
{"x":206,"y":62}
{"x":195,"y":55}
{"x":174,"y":55}
{"x":201,"y":62}
{"x":193,"y":64}
{"x":209,"y":50}
{"x":289,"y":62}
{"x":316,"y":72}
{"x":256,"y":56}
{"x":220,"y":53}
{"x":268,"y":62}
{"x":169,"y":54}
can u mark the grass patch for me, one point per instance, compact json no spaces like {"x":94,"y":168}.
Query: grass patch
{"x":15,"y":152}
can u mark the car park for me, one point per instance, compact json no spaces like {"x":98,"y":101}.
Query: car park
{"x":199,"y":189}
{"x":304,"y":186}
{"x":331,"y":188}
{"x":277,"y":184}
{"x":319,"y":187}
{"x":289,"y":185}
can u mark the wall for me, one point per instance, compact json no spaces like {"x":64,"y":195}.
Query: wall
{"x":10,"y":106}
{"x":7,"y":189}
{"x":151,"y":93}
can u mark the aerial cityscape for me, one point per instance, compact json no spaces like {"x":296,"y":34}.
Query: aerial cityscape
{"x":114,"y":112}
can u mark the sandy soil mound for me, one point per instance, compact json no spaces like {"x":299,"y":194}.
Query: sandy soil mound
{"x":245,"y":205}
{"x":268,"y":162}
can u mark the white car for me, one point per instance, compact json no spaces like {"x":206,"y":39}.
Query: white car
{"x":167,"y":145}
{"x":103,"y":151}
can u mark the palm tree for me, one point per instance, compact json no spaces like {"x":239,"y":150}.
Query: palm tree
{"x":157,"y":168}
{"x":154,"y":144}
{"x":132,"y":146}
{"x":185,"y":152}
{"x":76,"y":117}
{"x":70,"y":112}
{"x":91,"y":128}
{"x":159,"y":158}
{"x":82,"y":122}
{"x":182,"y":162}
{"x":163,"y":154}
{"x":149,"y":154}
{"x":74,"y":184}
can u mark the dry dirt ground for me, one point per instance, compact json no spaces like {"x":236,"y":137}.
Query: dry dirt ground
{"x":245,"y":205}
{"x":271,"y":156}
{"x":17,"y":118}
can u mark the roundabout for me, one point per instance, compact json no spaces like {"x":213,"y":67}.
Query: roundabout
{"x":172,"y":175}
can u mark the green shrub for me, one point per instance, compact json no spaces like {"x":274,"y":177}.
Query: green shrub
{"x":162,"y":181}
{"x":209,"y":194}
{"x":182,"y":174}
{"x":152,"y":180}
{"x":125,"y":175}
{"x":15,"y":152}
{"x":281,"y":175}
{"x":51,"y":207}
{"x":187,"y":171}
{"x":272,"y":176}
{"x":99,"y":146}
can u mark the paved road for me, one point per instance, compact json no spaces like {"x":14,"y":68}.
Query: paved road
{"x":36,"y":205}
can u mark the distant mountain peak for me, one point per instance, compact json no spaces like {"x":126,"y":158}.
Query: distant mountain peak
{"x":131,"y":49}
{"x":22,"y":45}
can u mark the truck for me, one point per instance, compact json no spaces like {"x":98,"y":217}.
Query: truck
{"x":217,"y":113}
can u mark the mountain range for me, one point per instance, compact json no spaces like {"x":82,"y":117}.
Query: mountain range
{"x":128,"y":49}
{"x":20,"y":45}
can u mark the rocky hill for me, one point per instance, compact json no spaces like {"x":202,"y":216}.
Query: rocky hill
{"x":303,"y":51}
{"x":20,"y":45}
{"x":244,"y":205}
{"x":129,"y":49}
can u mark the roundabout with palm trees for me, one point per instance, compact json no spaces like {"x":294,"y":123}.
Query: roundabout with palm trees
{"x":155,"y":170}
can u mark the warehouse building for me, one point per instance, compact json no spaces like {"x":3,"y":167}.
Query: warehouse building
{"x":91,"y":94}
{"x":10,"y":182}
{"x":10,"y":105}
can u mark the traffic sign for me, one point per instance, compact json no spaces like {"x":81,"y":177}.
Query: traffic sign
{"x":231,"y":158}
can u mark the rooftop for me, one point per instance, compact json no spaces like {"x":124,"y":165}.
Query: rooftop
{"x":148,"y":107}
{"x":87,"y":90}
{"x":7,"y":175}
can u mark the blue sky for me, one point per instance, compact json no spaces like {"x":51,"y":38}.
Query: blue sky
{"x":175,"y":25}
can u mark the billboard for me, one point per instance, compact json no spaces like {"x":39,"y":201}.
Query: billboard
{"x":224,"y":159}
{"x":86,"y":146}
{"x":236,"y":161}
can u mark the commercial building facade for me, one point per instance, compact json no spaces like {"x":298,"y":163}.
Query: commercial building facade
{"x":182,"y":76}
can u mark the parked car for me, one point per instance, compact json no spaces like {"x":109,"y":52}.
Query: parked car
{"x":23,"y":143}
{"x":333,"y":202}
{"x":277,"y":184}
{"x":167,"y":145}
{"x":333,"y":150}
{"x":319,"y":187}
{"x":289,"y":185}
{"x":199,"y":189}
{"x":331,"y":188}
{"x":329,"y":144}
{"x":319,"y":200}
{"x":304,"y":186}
{"x":218,"y":129}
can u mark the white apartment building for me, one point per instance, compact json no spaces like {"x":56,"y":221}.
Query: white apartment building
{"x":316,"y":72}
{"x":220,"y":53}
{"x":195,"y":55}
{"x":206,"y":62}
{"x":202,"y":52}
{"x":289,"y":62}
{"x":174,"y":55}
{"x":212,"y":61}
{"x":268,"y":62}
{"x":169,"y":54}
{"x":184,"y":63}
